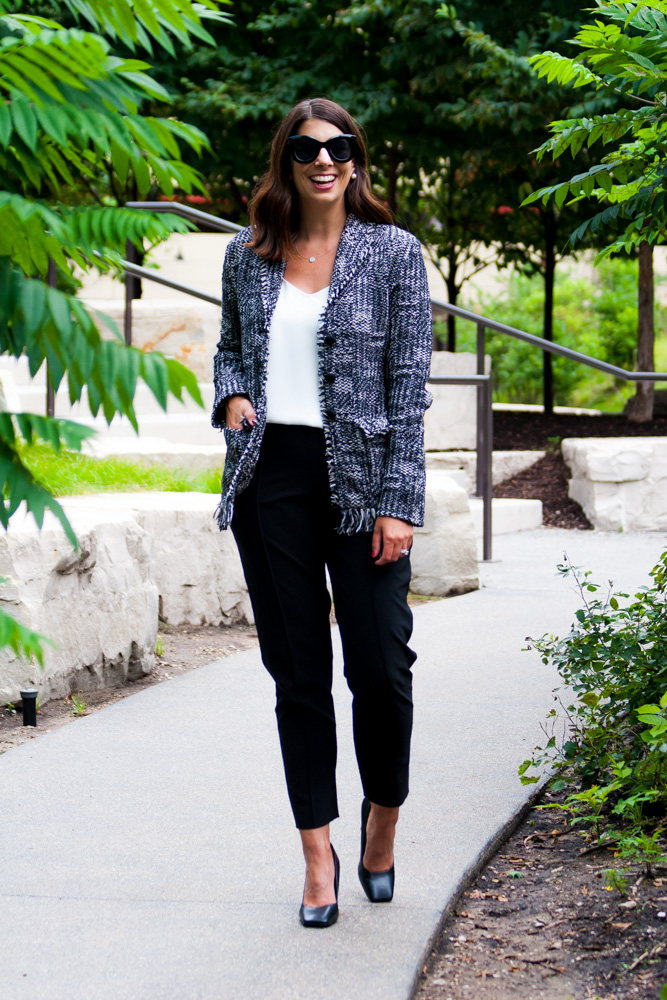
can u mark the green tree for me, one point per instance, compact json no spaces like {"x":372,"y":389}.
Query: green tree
{"x":410,"y":77}
{"x":70,"y":112}
{"x":452,"y":211}
{"x":504,"y":113}
{"x":394,"y":64}
{"x":624,"y":54}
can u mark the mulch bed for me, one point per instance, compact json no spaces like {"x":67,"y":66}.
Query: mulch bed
{"x":515,"y":430}
{"x":540,"y":923}
{"x":547,"y":480}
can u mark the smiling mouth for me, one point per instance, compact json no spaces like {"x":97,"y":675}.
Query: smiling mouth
{"x":322,"y":180}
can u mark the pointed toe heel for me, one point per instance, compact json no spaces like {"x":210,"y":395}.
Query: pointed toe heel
{"x":378,"y":886}
{"x":323,"y":916}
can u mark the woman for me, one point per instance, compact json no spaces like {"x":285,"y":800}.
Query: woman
{"x":319,"y":383}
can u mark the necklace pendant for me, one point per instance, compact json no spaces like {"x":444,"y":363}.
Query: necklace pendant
{"x":312,"y":260}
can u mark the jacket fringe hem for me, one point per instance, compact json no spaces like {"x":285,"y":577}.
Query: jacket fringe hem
{"x":352,"y":520}
{"x":349,"y":521}
{"x":224,"y":513}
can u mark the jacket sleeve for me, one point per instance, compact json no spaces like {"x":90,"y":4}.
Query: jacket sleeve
{"x":407,"y":365}
{"x":228,"y":374}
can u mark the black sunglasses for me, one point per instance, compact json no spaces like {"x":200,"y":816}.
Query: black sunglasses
{"x":305,"y":149}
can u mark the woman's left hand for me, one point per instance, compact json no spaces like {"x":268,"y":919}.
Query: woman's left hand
{"x":390,"y":535}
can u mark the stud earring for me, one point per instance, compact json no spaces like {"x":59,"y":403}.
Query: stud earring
{"x":354,"y":175}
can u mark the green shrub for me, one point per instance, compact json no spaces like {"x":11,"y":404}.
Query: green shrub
{"x":613,"y":743}
{"x":597,"y":317}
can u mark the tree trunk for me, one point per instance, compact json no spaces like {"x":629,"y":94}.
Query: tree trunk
{"x":452,"y":295}
{"x":550,"y":233}
{"x":133,"y":251}
{"x":640,"y":407}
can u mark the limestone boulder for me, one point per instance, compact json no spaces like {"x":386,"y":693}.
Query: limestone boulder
{"x":196,"y":568}
{"x":621,"y":483}
{"x":444,"y":552}
{"x":99,"y":605}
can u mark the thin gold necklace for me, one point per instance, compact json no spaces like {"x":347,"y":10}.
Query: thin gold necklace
{"x":312,"y":260}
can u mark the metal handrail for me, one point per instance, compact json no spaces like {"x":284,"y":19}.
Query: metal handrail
{"x":137,"y":271}
{"x":549,"y":345}
{"x":188,"y":212}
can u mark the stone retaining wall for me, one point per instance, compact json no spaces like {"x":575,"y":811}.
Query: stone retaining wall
{"x":148,"y":554}
{"x":99,"y":605}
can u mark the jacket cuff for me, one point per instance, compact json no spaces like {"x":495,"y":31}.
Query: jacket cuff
{"x":230,"y":387}
{"x":414,"y":514}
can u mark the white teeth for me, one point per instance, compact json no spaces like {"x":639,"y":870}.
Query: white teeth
{"x":323,"y":178}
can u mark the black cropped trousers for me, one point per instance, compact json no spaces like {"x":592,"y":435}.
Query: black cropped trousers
{"x":283,"y":527}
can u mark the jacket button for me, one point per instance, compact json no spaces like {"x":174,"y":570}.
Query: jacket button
{"x":329,"y":379}
{"x":329,"y":341}
{"x":330,"y":414}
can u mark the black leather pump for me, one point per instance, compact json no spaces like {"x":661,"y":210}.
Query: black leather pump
{"x":378,"y":886}
{"x":323,"y":916}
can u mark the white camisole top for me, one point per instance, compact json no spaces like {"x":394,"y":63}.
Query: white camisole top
{"x":292,"y":394}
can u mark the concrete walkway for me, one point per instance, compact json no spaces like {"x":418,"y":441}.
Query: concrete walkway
{"x":148,"y":851}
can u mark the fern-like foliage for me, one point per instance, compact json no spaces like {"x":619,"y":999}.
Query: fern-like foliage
{"x":624,"y":52}
{"x":73,"y":142}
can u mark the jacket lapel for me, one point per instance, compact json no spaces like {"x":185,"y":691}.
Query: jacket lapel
{"x":353,"y":252}
{"x":271,"y":276}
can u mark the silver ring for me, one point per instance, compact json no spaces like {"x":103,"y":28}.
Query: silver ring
{"x":405,"y":552}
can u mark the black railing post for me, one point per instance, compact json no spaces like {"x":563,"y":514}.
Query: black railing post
{"x":52,"y":281}
{"x":486,"y":461}
{"x":481,"y":428}
{"x":131,"y":286}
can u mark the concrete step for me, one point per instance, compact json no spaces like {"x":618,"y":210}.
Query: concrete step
{"x":32,"y":399}
{"x":505,"y":464}
{"x":459,"y":476}
{"x":189,"y":429}
{"x":159,"y":451}
{"x":507,"y":515}
{"x":574,"y":411}
{"x":18,"y":369}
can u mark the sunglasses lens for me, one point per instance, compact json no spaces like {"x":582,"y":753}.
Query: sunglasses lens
{"x":304,"y":149}
{"x":341,"y":149}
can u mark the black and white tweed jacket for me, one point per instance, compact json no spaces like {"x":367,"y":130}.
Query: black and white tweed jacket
{"x":374,"y":354}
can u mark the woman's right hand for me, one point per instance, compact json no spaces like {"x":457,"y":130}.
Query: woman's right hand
{"x":236,"y":408}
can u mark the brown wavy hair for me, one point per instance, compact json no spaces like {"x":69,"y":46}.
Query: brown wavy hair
{"x":274,"y":208}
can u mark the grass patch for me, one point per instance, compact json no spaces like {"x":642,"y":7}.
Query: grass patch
{"x":68,"y":473}
{"x":415,"y":599}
